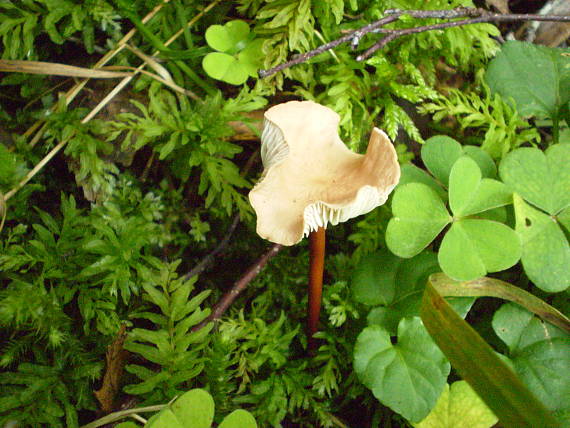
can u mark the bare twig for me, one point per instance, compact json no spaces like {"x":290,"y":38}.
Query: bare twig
{"x":209,"y":259}
{"x":240,"y":285}
{"x":474,"y":15}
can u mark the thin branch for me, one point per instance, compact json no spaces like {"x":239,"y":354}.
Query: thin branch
{"x":209,"y":259}
{"x":474,"y":15}
{"x":240,"y":285}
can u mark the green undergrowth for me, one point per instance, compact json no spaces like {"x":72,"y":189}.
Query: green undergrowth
{"x":117,"y":232}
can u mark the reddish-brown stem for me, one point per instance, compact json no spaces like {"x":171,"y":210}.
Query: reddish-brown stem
{"x":316,"y":269}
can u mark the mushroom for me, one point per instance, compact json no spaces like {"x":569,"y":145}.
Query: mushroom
{"x":311,"y":179}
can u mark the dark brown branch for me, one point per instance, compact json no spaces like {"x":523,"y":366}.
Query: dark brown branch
{"x":475,"y":15}
{"x":209,"y":259}
{"x":240,"y":285}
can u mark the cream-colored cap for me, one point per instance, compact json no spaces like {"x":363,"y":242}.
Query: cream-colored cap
{"x":311,"y":178}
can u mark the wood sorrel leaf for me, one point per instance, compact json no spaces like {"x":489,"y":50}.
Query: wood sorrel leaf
{"x":419,"y":216}
{"x":470,"y":194}
{"x":238,"y":419}
{"x":539,"y":352}
{"x":471,"y":248}
{"x":227,"y":37}
{"x":412,"y":174}
{"x":224,"y":67}
{"x":459,"y":406}
{"x":536,"y":77}
{"x":440,"y":153}
{"x":194,"y":408}
{"x":543,"y":179}
{"x":546,"y":252}
{"x":409,"y":376}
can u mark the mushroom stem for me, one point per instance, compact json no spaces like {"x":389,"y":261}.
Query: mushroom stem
{"x":316,"y":269}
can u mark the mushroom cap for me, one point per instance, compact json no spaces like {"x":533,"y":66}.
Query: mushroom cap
{"x":311,"y":178}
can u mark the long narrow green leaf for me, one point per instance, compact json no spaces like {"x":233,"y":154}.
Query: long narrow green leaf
{"x":491,"y":287}
{"x":479,"y":365}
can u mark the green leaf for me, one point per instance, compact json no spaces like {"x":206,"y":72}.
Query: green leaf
{"x":224,"y":67}
{"x":165,"y":419}
{"x":491,"y":287}
{"x":409,"y":376}
{"x":478,"y":364}
{"x":564,"y":218}
{"x":545,"y":249}
{"x":238,"y":419}
{"x":412,"y":174}
{"x":230,"y":36}
{"x":439,"y":153}
{"x":539,"y":352}
{"x":251,"y":58}
{"x":536,"y":77}
{"x":543,"y":179}
{"x":419,"y":216}
{"x":471,"y":248}
{"x":194,"y":409}
{"x":459,"y":406}
{"x":484,"y":161}
{"x":373,"y":278}
{"x":470,"y":194}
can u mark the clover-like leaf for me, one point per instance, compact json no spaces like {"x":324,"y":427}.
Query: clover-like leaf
{"x":536,"y":77}
{"x":459,"y":406}
{"x":539,"y":353}
{"x":229,"y":37}
{"x":250,"y":58}
{"x":543,"y":179}
{"x":564,"y":218}
{"x":408,"y":376}
{"x":546,"y":252}
{"x":238,"y":419}
{"x":419,"y":216}
{"x":440,"y":153}
{"x":410,"y":173}
{"x":194,"y":408}
{"x":470,"y":194}
{"x":224,"y":67}
{"x":473,"y":247}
